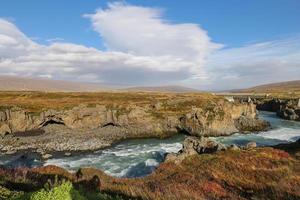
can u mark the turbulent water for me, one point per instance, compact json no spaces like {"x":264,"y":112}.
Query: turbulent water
{"x":282,"y":131}
{"x":130,"y":158}
{"x":134,"y":158}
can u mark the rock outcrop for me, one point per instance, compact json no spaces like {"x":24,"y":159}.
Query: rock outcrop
{"x":195,"y":145}
{"x":285,"y":109}
{"x":222,"y":119}
{"x":85,"y":128}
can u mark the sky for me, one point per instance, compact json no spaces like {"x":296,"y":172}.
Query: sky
{"x":208,"y":45}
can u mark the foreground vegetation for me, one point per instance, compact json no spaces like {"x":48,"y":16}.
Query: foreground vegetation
{"x":63,"y":191}
{"x":256,"y":173}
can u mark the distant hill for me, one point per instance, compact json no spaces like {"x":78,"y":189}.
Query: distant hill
{"x":288,"y":86}
{"x":169,"y":88}
{"x":13,"y":83}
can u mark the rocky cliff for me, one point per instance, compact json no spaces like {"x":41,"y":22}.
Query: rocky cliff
{"x":92,"y":127}
{"x":285,"y":108}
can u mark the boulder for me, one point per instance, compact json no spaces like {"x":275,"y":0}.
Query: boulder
{"x":3,"y":116}
{"x":234,"y":147}
{"x":46,"y":156}
{"x":247,"y":124}
{"x":251,"y":145}
{"x":194,"y":145}
{"x":288,"y":113}
{"x":4,"y":129}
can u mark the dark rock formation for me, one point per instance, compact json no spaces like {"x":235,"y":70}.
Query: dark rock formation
{"x":244,"y":124}
{"x":85,"y":128}
{"x":285,"y":109}
{"x":195,"y":145}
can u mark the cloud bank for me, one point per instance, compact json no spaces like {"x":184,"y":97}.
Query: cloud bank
{"x":142,"y":48}
{"x":266,"y":62}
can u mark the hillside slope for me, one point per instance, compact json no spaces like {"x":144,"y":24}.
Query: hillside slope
{"x":288,"y":86}
{"x":169,"y":88}
{"x":13,"y":83}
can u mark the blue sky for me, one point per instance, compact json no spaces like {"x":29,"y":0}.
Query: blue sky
{"x":232,"y":22}
{"x":237,"y":26}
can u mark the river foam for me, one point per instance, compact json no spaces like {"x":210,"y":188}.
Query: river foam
{"x":130,"y":158}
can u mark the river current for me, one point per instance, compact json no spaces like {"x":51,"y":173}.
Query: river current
{"x":139,"y":157}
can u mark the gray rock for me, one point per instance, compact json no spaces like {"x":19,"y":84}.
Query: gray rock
{"x":251,"y":145}
{"x":234,"y":147}
{"x":247,"y":124}
{"x":68,"y":154}
{"x":4,"y":129}
{"x":46,"y":156}
{"x":194,"y":145}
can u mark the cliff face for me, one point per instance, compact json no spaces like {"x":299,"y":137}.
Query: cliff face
{"x":286,"y":109}
{"x":216,"y":119}
{"x":221,"y":119}
{"x":89,"y":128}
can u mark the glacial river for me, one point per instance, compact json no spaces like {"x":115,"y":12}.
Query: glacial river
{"x":134,"y":158}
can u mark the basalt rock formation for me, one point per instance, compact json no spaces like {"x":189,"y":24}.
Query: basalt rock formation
{"x":85,"y":127}
{"x":285,"y":109}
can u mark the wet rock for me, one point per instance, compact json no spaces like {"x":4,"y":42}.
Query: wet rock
{"x":286,"y":109}
{"x":251,"y":145}
{"x":244,"y":123}
{"x":68,"y":154}
{"x":289,"y":113}
{"x":11,"y":151}
{"x":234,"y":147}
{"x":194,"y":145}
{"x":46,"y":156}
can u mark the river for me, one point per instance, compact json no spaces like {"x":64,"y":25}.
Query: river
{"x":135,"y":158}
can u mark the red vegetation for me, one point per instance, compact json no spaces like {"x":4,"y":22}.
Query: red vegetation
{"x":261,"y":173}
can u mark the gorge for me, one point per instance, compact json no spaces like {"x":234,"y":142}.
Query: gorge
{"x":129,"y":141}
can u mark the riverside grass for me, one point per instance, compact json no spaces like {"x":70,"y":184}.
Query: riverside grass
{"x":64,"y":191}
{"x":36,"y":102}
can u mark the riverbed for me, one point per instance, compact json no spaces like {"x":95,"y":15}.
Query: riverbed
{"x":139,"y":157}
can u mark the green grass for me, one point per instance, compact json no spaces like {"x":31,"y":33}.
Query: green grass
{"x":65,"y":191}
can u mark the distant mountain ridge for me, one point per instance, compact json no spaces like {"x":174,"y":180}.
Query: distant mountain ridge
{"x":13,"y":83}
{"x":287,"y":86}
{"x":168,"y":88}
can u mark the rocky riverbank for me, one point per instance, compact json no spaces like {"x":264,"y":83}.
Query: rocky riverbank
{"x":202,"y":170}
{"x":288,"y":109}
{"x":85,"y":127}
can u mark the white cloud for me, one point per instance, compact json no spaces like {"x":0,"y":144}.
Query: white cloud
{"x":145,"y":49}
{"x":142,"y":48}
{"x":254,"y":64}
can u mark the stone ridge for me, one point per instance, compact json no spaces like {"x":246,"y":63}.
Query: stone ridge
{"x":85,"y":128}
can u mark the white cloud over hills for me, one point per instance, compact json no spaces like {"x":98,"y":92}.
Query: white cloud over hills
{"x":145,"y":49}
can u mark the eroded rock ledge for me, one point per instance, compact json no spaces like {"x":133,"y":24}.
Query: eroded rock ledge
{"x":288,"y":109}
{"x":85,"y":127}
